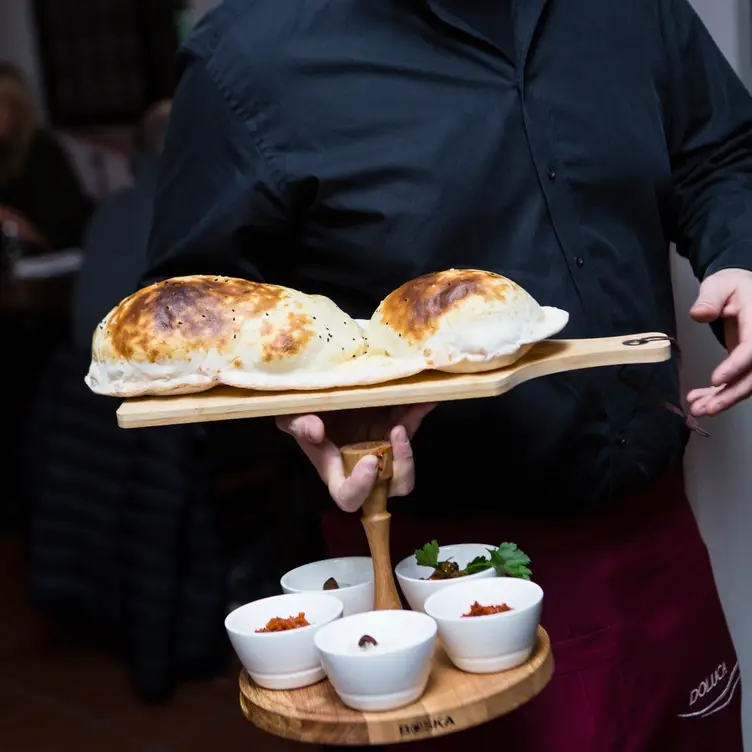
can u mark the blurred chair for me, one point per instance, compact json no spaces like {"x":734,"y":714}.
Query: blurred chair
{"x":120,"y":544}
{"x":146,"y":537}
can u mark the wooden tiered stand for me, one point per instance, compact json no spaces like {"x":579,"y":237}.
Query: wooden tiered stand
{"x":453,"y":700}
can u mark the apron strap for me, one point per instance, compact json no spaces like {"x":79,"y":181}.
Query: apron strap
{"x":652,"y":396}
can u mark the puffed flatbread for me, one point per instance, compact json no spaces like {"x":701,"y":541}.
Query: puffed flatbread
{"x":462,"y":321}
{"x":189,"y":334}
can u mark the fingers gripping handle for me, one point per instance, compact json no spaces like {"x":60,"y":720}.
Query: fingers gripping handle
{"x":376,"y":519}
{"x":353,"y":453}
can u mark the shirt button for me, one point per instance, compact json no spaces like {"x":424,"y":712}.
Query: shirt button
{"x":579,"y":261}
{"x":551,"y":173}
{"x":622,"y":441}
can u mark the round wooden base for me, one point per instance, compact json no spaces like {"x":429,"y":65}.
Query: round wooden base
{"x":453,"y":701}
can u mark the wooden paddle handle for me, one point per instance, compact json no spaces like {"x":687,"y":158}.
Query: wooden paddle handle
{"x":376,"y":519}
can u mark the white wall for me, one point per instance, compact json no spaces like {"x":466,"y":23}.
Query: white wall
{"x":719,"y":469}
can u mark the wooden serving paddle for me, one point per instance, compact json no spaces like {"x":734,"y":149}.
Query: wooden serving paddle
{"x":376,"y":519}
{"x":546,"y":358}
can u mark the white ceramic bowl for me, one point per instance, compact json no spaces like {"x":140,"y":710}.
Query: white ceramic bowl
{"x":282,"y":660}
{"x":390,"y":675}
{"x":416,"y":588}
{"x":353,"y":573}
{"x":487,"y":644}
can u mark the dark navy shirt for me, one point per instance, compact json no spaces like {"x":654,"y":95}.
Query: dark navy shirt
{"x":345,"y":146}
{"x":487,"y":19}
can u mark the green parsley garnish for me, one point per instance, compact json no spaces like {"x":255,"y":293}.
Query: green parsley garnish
{"x":507,"y":558}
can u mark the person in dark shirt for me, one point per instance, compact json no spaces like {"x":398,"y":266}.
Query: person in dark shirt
{"x":345,"y":147}
{"x":116,"y":239}
{"x":39,"y":191}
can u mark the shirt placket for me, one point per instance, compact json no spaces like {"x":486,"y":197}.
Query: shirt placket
{"x":540,"y":132}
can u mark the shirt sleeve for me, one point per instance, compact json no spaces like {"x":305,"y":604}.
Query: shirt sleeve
{"x":709,"y":131}
{"x":220,"y":204}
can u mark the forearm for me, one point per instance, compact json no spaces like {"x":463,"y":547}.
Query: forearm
{"x":709,"y":135}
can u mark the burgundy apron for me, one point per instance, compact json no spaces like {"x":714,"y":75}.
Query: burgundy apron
{"x":644,"y":659}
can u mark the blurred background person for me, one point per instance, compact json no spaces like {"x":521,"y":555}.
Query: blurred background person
{"x":95,"y":493}
{"x":114,"y":246}
{"x":39,"y":191}
{"x":120,"y":551}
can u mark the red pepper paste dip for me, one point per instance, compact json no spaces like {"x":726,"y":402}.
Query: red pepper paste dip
{"x":477,"y":610}
{"x":278,"y":624}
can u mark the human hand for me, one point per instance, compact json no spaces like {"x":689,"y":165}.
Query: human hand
{"x":27,"y":231}
{"x":726,"y":294}
{"x":320,"y":437}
